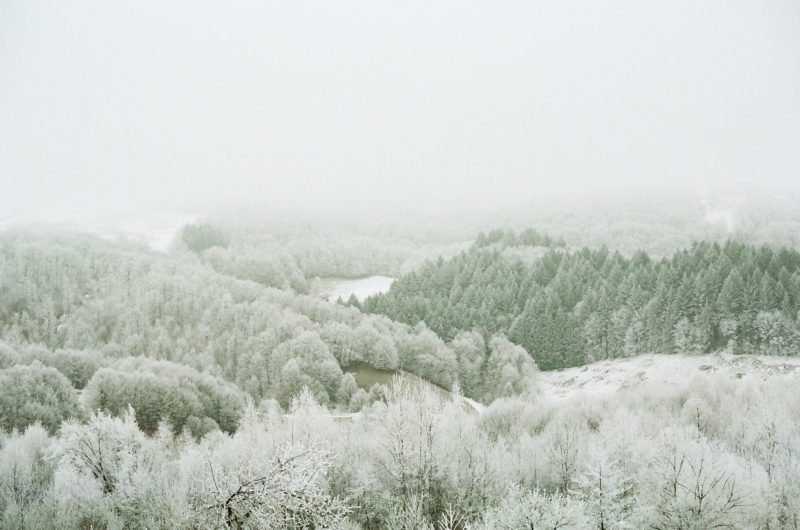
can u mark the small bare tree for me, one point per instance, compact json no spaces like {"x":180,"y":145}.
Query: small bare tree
{"x":563,"y":451}
{"x":607,"y":492}
{"x":696,"y":488}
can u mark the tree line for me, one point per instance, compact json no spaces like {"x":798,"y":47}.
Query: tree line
{"x":571,"y":307}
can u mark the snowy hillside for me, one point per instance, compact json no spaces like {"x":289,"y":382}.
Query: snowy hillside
{"x":612,"y":375}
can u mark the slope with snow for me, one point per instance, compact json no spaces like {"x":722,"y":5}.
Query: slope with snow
{"x":613,"y":375}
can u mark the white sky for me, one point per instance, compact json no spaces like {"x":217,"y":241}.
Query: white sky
{"x":107,"y":105}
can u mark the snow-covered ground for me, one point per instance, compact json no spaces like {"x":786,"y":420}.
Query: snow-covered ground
{"x":362,"y":288}
{"x":156,"y":229}
{"x":612,"y":375}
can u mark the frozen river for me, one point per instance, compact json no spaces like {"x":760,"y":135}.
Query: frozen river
{"x":362,"y":288}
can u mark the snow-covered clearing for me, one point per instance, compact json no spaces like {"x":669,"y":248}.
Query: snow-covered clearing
{"x":362,"y":288}
{"x":613,"y":375}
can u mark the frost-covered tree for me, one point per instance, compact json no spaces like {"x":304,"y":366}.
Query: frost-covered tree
{"x":470,"y":350}
{"x":522,"y":510}
{"x":26,"y":472}
{"x":254,"y":480}
{"x":164,"y":391}
{"x":696,"y":484}
{"x":101,"y":450}
{"x":608,"y":493}
{"x":282,"y":493}
{"x":36,"y":394}
{"x":509,"y":371}
{"x":306,"y":361}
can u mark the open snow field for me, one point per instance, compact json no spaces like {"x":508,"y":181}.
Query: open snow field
{"x":612,"y":375}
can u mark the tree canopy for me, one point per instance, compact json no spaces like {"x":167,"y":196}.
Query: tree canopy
{"x":572,"y":307}
{"x":36,"y":394}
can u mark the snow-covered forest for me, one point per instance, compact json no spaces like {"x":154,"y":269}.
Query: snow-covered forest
{"x":143,"y":389}
{"x":416,"y":265}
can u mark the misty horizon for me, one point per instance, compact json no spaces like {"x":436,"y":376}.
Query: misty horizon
{"x":436,"y":106}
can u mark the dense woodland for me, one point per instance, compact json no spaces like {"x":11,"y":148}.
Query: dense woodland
{"x":203,"y":389}
{"x":69,"y":293}
{"x":569,"y":308}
